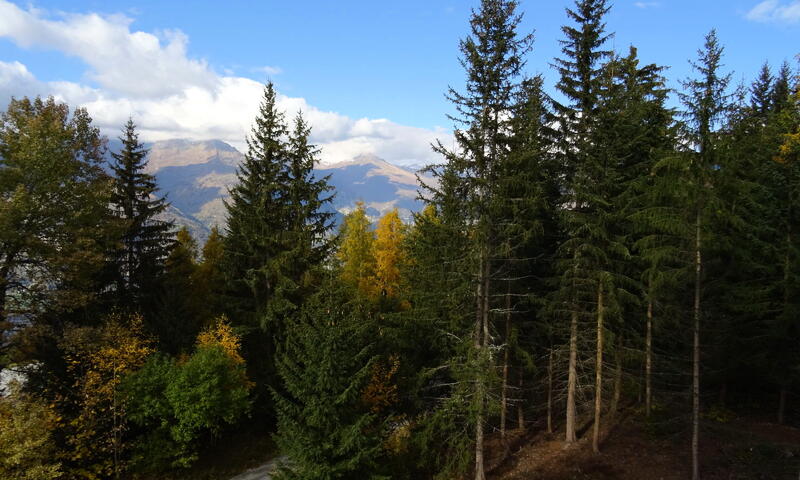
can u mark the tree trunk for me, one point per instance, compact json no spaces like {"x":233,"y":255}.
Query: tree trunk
{"x":782,"y":405}
{"x":479,"y":468}
{"x":550,"y":391}
{"x":617,"y":378}
{"x":506,"y":358}
{"x":696,"y":354}
{"x":598,"y":372}
{"x":521,"y":404}
{"x":648,"y":359}
{"x":480,"y":474}
{"x":572,"y":377}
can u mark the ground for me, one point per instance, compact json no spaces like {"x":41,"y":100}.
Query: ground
{"x":635,"y":449}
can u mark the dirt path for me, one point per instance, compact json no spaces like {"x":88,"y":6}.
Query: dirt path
{"x":261,"y":472}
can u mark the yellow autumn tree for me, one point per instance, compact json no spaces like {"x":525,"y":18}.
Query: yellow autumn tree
{"x":356,"y":250}
{"x":221,"y":333}
{"x":98,"y":359}
{"x":27,"y":447}
{"x":389,"y":254}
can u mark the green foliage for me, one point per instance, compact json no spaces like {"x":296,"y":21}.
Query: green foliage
{"x":179,"y":317}
{"x":177,"y":404}
{"x":138,"y":263}
{"x":324,"y":427}
{"x":54,"y":225}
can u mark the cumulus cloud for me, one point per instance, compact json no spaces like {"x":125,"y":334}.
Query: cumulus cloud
{"x":170,"y":95}
{"x":775,"y":11}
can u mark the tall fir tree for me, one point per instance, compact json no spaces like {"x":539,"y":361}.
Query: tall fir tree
{"x":147,"y":239}
{"x":580,"y":82}
{"x":708,"y":105}
{"x":493,"y":58}
{"x":276,"y":239}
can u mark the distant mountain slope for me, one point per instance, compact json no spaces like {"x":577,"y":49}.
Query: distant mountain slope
{"x":196,"y":176}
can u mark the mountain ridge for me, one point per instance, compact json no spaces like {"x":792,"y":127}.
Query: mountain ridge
{"x":196,"y":175}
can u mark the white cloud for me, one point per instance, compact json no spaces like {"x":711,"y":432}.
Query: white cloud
{"x":775,"y":11}
{"x":646,"y":4}
{"x":170,"y":95}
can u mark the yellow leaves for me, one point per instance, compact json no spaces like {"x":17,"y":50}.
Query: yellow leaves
{"x":221,"y":334}
{"x":389,"y":254}
{"x":381,"y":392}
{"x":370,"y":260}
{"x":355,"y":252}
{"x":99,"y":359}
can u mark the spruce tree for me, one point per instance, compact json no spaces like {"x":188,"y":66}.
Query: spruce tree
{"x":178,"y":320}
{"x":256,"y":202}
{"x":276,"y":237}
{"x":493,"y":57}
{"x":707,"y":107}
{"x":324,"y":427}
{"x":146,"y":241}
{"x":580,"y":80}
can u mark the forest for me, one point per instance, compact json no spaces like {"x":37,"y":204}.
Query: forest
{"x":617,"y":253}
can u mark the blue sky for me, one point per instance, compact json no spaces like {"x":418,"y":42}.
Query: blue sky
{"x":371,"y":75}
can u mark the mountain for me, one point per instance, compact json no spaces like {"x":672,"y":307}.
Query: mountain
{"x":196,"y":176}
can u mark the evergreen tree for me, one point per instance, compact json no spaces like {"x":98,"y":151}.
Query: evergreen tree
{"x":493,"y":58}
{"x":146,"y":241}
{"x":210,"y":277}
{"x":256,"y":203}
{"x":277,"y":231}
{"x":179,"y":319}
{"x":324,"y":427}
{"x":707,"y":107}
{"x":581,"y":75}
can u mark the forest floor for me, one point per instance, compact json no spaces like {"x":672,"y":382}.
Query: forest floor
{"x":635,"y":449}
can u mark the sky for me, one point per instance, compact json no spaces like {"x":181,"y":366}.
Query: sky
{"x":369,"y":76}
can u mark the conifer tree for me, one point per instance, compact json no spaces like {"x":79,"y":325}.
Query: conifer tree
{"x":493,"y":58}
{"x":356,"y":252}
{"x":388,"y":254}
{"x":256,"y":203}
{"x":580,"y":80}
{"x":210,"y":277}
{"x":323,"y":426}
{"x":179,"y":320}
{"x":707,"y":107}
{"x":276,"y":236}
{"x":147,"y":239}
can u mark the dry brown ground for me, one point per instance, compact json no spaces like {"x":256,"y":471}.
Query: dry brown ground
{"x":737,"y":450}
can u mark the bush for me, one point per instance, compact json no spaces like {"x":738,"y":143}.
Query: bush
{"x":176,"y":403}
{"x":26,"y":444}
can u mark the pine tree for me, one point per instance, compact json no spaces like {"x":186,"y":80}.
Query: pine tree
{"x":147,"y":239}
{"x":324,"y":427}
{"x":580,"y":82}
{"x":707,"y":106}
{"x":178,"y":319}
{"x":493,"y":58}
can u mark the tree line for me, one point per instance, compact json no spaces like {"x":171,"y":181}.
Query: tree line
{"x":579,"y":254}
